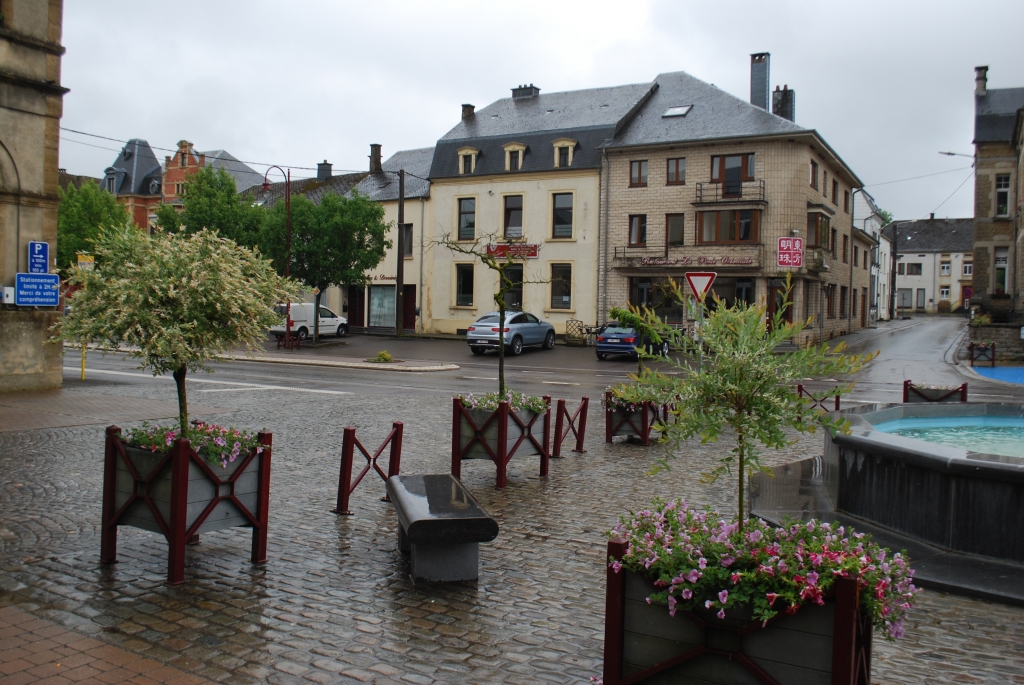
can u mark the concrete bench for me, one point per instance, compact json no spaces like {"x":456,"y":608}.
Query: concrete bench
{"x":441,"y":525}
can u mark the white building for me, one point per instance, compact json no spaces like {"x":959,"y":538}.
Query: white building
{"x":934,"y":264}
{"x":868,"y":218}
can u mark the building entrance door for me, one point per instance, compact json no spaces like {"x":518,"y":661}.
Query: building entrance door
{"x":409,"y":307}
{"x":864,"y":308}
{"x":920,"y":299}
{"x":356,"y":306}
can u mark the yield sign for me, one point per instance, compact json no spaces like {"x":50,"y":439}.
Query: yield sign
{"x":700,"y":282}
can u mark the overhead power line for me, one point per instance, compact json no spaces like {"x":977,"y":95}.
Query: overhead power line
{"x":914,"y":178}
{"x":955,"y":191}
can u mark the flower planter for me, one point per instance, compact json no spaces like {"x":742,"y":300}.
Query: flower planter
{"x":180,"y":495}
{"x":818,"y":645}
{"x":638,"y":424}
{"x":499,"y":435}
{"x":917,"y":393}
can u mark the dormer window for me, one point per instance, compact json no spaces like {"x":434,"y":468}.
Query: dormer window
{"x":563,"y":152}
{"x":467,"y":160}
{"x":111,"y":188}
{"x":514,"y":153}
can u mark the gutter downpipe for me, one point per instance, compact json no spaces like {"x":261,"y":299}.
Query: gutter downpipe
{"x":602,"y":284}
{"x":423,"y":236}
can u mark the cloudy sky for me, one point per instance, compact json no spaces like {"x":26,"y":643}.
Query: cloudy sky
{"x":888,"y":83}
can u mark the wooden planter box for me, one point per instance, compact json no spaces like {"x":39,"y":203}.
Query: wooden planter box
{"x":818,"y":645}
{"x":914,"y":394}
{"x":499,"y":435}
{"x":638,"y":424}
{"x":180,"y":495}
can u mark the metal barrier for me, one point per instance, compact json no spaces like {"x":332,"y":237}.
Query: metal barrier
{"x":345,"y":484}
{"x":577,"y":425}
{"x":818,"y":402}
{"x":921,"y":393}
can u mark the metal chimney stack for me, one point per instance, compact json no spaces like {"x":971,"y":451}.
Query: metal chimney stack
{"x":759,"y":79}
{"x":375,"y":167}
{"x":784,"y":103}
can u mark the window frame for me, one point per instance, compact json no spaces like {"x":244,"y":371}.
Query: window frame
{"x":756,"y":230}
{"x":747,"y":160}
{"x":464,"y":152}
{"x":843,"y":304}
{"x":944,"y":292}
{"x":563,"y":157}
{"x":462,"y":267}
{"x":572,"y":215}
{"x":846,"y":248}
{"x":407,"y":239}
{"x":1005,"y":191}
{"x":919,"y":271}
{"x":638,"y":168}
{"x":641,"y":230}
{"x":967,"y":269}
{"x":846,"y":201}
{"x":856,"y":256}
{"x":835,"y":192}
{"x":824,"y":182}
{"x":458,"y":218}
{"x":551,"y":289}
{"x":682,"y":231}
{"x":672,"y":168}
{"x":945,"y":268}
{"x":506,"y":216}
{"x":520,"y":157}
{"x":822,"y":224}
{"x":814,"y":174}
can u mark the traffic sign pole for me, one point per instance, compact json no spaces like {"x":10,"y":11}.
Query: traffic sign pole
{"x":700,"y":283}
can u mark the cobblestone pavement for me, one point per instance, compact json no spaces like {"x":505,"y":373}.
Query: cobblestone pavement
{"x":334,"y":602}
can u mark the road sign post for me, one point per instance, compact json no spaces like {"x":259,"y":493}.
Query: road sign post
{"x":700,"y":283}
{"x":36,"y":290}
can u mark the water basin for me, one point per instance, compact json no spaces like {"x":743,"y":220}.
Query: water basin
{"x":1003,"y":435}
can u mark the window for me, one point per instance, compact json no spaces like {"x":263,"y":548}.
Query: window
{"x":514,"y":297}
{"x":846,"y":246}
{"x":830,"y":300}
{"x":561,"y":222}
{"x":467,"y":218}
{"x":407,"y":240}
{"x":563,"y":152}
{"x":824,"y":183}
{"x":1000,"y":266}
{"x":914,"y":269}
{"x":561,"y":286}
{"x":110,"y":184}
{"x":513,"y":160}
{"x":563,"y":157}
{"x":814,"y":174}
{"x":637,"y":230}
{"x":676,"y":171}
{"x":835,"y":192}
{"x":968,"y":268}
{"x":178,"y":187}
{"x":1003,"y":195}
{"x":464,"y":285}
{"x":728,"y":226}
{"x":817,"y":230}
{"x":467,"y":164}
{"x":467,"y":159}
{"x":674,"y":228}
{"x":638,"y":173}
{"x":944,"y":269}
{"x":944,"y":292}
{"x":843,"y":294}
{"x":515,"y":154}
{"x":680,"y":111}
{"x":846,"y":201}
{"x":513,"y":216}
{"x":901,"y":269}
{"x":184,"y":160}
{"x":856,"y":255}
{"x":834,"y":242}
{"x":853,"y":306}
{"x":731,"y":171}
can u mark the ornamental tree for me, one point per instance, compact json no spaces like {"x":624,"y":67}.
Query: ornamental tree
{"x":84,"y":213}
{"x":210,"y":200}
{"x":746,"y":387}
{"x":175,"y":301}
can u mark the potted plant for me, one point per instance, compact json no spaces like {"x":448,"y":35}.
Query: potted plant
{"x":174,"y":302}
{"x":933,"y":393}
{"x":635,"y":409}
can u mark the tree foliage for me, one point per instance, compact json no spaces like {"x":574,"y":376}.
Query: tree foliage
{"x":174,"y":301}
{"x":332,"y":243}
{"x":82,"y":215}
{"x":210,"y":200}
{"x":745,"y":387}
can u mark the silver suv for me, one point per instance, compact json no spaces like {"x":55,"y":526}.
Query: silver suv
{"x":522,"y":329}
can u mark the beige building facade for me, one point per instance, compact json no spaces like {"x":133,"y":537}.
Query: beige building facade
{"x":31,"y":103}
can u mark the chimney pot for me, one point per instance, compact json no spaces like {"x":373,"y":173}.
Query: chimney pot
{"x":784,"y":103}
{"x":525,"y":92}
{"x":323,"y":171}
{"x":759,"y":87}
{"x":932,"y":217}
{"x":375,"y":167}
{"x":980,"y":81}
{"x":467,"y":112}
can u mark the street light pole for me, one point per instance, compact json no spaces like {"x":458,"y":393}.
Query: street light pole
{"x":400,"y":259}
{"x":288,"y":343}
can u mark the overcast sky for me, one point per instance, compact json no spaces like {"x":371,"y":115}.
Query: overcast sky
{"x":887,"y":83}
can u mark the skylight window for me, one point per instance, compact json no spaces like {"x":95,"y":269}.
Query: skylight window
{"x":680,"y":111}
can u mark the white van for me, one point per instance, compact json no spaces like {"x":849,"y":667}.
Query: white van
{"x":302,"y":321}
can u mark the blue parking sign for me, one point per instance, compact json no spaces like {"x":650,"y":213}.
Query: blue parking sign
{"x":38,"y":257}
{"x":36,"y":290}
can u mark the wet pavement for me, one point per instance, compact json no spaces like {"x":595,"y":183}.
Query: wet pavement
{"x":334,"y":603}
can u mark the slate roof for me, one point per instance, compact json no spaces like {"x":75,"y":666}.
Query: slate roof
{"x":384,"y":187}
{"x":136,"y":170}
{"x":311,"y":188}
{"x":714,"y":114}
{"x":940,"y":235}
{"x":591,"y":117}
{"x":245,"y":176}
{"x":995,"y":114}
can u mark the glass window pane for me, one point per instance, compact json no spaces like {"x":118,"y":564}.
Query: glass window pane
{"x":728,"y":227}
{"x":563,"y":157}
{"x":562,"y":221}
{"x":514,"y":297}
{"x":514,"y":216}
{"x":708,"y":222}
{"x":675,"y":229}
{"x":746,"y":224}
{"x":467,"y":219}
{"x":407,"y":240}
{"x":733,"y":175}
{"x":464,"y":285}
{"x":561,"y":286}
{"x":716,"y":168}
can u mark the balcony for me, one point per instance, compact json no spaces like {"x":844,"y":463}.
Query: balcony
{"x":730,"y":191}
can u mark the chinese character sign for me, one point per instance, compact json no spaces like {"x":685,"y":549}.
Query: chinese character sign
{"x":791,"y":252}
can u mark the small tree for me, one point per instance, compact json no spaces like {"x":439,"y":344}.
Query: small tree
{"x":210,"y":200}
{"x":746,"y":386}
{"x":333,"y":243}
{"x":499,"y":264}
{"x":174,"y":300}
{"x":82,"y":215}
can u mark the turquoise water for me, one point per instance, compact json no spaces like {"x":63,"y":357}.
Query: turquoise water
{"x":987,"y":434}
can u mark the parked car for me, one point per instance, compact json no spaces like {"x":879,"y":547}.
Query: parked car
{"x":302,"y":321}
{"x":618,"y":340}
{"x":522,"y":329}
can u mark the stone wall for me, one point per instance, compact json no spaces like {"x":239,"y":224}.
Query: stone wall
{"x":1007,"y":337}
{"x":27,"y":362}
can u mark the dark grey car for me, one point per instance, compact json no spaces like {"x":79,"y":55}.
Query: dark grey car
{"x":522,"y":329}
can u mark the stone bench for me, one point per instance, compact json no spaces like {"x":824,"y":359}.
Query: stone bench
{"x":441,"y":525}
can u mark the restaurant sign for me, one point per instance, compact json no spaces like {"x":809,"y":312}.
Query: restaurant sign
{"x":687,"y":260}
{"x":515,"y":250}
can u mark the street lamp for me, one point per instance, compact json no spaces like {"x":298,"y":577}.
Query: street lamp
{"x":288,"y":342}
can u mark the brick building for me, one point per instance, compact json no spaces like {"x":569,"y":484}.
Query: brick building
{"x":997,"y":282}
{"x":700,"y":180}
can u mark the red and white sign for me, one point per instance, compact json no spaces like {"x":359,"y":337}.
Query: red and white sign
{"x":519,"y":250}
{"x":791,"y":252}
{"x":700,"y":282}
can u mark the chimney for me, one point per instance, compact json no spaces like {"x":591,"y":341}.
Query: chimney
{"x":784,"y":103}
{"x":467,"y":112}
{"x":981,"y":81}
{"x":323,"y":171}
{"x":375,"y":167}
{"x":525,"y":92}
{"x":759,"y":79}
{"x":932,"y":218}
